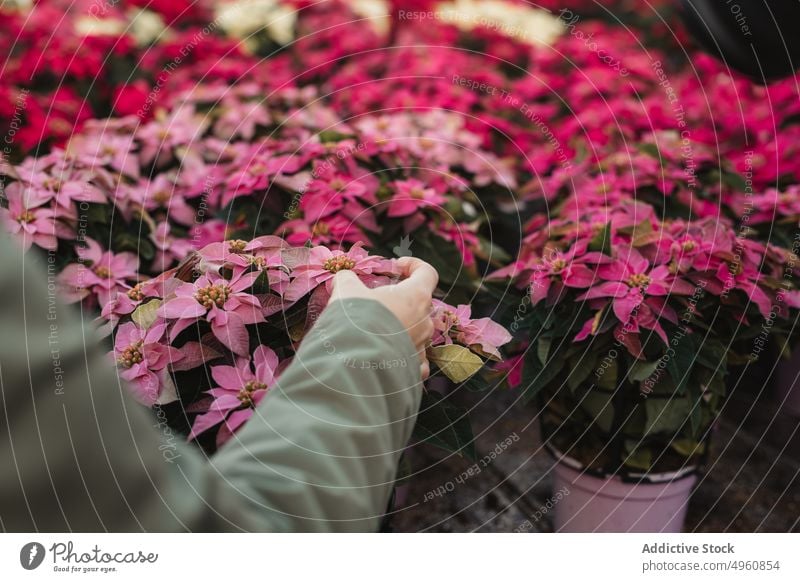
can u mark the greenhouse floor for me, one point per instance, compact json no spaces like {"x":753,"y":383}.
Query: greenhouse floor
{"x":752,"y":483}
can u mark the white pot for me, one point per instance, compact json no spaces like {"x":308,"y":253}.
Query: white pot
{"x":593,"y":504}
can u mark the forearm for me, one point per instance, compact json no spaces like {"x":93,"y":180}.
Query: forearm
{"x":77,"y":452}
{"x":326,"y":440}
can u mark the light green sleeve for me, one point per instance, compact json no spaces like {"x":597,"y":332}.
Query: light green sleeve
{"x":324,"y":447}
{"x":78,"y":454}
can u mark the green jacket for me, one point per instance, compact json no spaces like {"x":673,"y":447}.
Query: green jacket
{"x":78,"y":454}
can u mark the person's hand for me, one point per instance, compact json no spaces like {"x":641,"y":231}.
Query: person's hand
{"x":409,"y":300}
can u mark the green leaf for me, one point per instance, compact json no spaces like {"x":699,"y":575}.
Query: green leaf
{"x":260,"y":285}
{"x":639,"y":457}
{"x":735,"y":181}
{"x":145,"y":315}
{"x":608,"y":380}
{"x":493,"y":253}
{"x":712,"y":354}
{"x":736,"y":359}
{"x":445,"y":425}
{"x":717,"y":384}
{"x":535,"y":376}
{"x":297,"y":331}
{"x":456,"y":362}
{"x":688,"y":447}
{"x":650,"y":149}
{"x":598,"y":404}
{"x":543,"y":348}
{"x":147,"y":250}
{"x":477,"y":383}
{"x":680,"y":363}
{"x":330,"y":135}
{"x":643,"y":234}
{"x":601,"y":242}
{"x":667,"y":415}
{"x":131,"y":242}
{"x":97,"y":214}
{"x":582,"y":366}
{"x":696,"y":410}
{"x":641,"y":371}
{"x":445,"y":257}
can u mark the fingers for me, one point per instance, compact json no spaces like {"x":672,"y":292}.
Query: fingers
{"x":428,"y":330}
{"x":425,"y":369}
{"x":347,"y":284}
{"x":418,"y":273}
{"x":421,"y":330}
{"x":425,"y":365}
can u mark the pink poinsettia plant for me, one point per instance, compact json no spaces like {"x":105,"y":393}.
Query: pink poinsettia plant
{"x":231,"y":317}
{"x":633,"y":326}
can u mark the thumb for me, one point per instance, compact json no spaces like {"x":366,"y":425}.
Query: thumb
{"x":347,"y":284}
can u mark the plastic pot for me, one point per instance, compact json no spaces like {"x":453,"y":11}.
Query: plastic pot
{"x":610,"y":504}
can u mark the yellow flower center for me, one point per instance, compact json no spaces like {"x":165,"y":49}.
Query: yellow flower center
{"x":245,"y":395}
{"x":259,"y":262}
{"x":237,"y":246}
{"x":59,"y":125}
{"x":131,"y":355}
{"x":339,"y":263}
{"x":689,"y":245}
{"x":213,"y":295}
{"x":320,"y":229}
{"x":256,"y":169}
{"x":450,"y":318}
{"x":639,"y":280}
{"x":102,"y":272}
{"x":417,"y":193}
{"x":161,"y":197}
{"x":135,"y":293}
{"x":52,"y":184}
{"x":26,"y":216}
{"x":337,"y":184}
{"x":558,"y":265}
{"x":426,"y":143}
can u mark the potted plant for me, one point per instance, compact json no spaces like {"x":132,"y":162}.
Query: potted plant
{"x":626,"y":327}
{"x":176,"y":356}
{"x":773,"y":215}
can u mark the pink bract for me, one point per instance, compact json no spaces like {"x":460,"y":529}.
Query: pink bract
{"x":219,"y":301}
{"x":239,"y":390}
{"x":143,"y":359}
